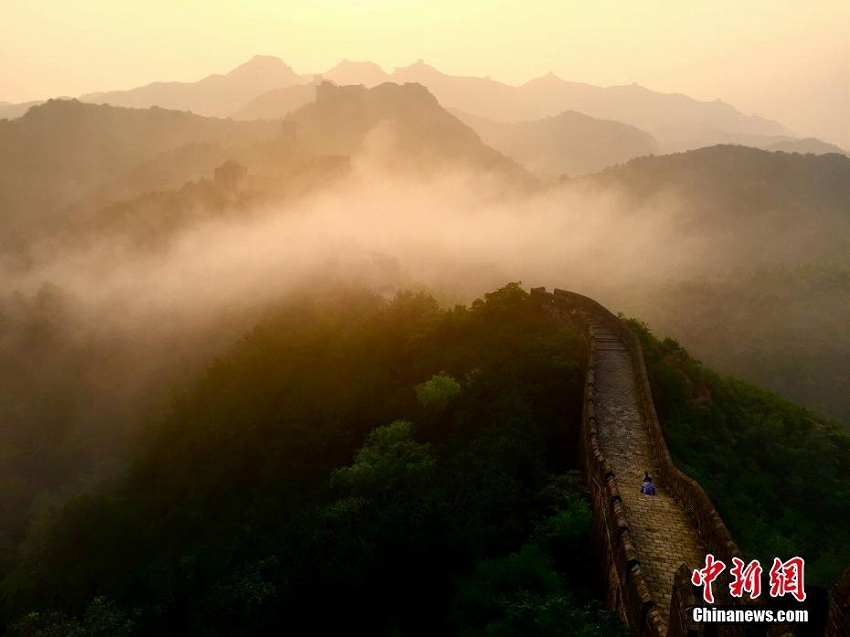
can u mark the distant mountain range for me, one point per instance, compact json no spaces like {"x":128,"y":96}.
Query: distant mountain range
{"x":254,"y":90}
{"x":673,"y":119}
{"x":549,"y":125}
{"x":568,"y":144}
{"x":65,"y":159}
{"x":213,"y":96}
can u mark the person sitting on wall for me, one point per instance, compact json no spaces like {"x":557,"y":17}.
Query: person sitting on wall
{"x":648,"y":487}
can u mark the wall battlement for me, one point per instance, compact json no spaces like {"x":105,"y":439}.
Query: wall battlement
{"x":653,"y":596}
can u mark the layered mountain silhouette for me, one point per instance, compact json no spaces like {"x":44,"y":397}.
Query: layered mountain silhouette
{"x":258,"y":90}
{"x":391,"y":128}
{"x":568,"y":144}
{"x":63,"y":151}
{"x":12,"y":111}
{"x":213,"y":96}
{"x":279,"y":102}
{"x":347,"y":72}
{"x":672,"y":118}
{"x":403,"y":124}
{"x":726,"y":206}
{"x":66,"y":159}
{"x":676,"y":121}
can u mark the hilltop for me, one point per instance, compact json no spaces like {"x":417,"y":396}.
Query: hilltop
{"x":404,"y":123}
{"x":347,"y":72}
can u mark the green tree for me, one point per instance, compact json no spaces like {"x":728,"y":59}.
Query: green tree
{"x":390,"y":459}
{"x":436,"y":392}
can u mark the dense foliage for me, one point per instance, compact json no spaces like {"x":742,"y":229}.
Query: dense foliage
{"x":778,"y":474}
{"x":393,"y":467}
{"x":782,"y":328}
{"x":352,"y":464}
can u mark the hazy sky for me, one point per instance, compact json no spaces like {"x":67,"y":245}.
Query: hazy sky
{"x":784,"y":59}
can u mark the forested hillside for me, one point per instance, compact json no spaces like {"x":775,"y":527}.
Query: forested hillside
{"x":746,"y":207}
{"x":778,"y":473}
{"x":350,"y":448}
{"x":784,"y":328}
{"x":346,"y":450}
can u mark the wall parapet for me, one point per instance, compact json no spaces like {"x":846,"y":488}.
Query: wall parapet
{"x":628,"y":591}
{"x":619,"y":560}
{"x":682,"y":487}
{"x":838,"y":622}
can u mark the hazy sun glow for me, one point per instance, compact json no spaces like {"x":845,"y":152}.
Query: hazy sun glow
{"x":784,"y":59}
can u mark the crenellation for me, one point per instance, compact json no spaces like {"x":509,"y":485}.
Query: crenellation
{"x":653,"y":595}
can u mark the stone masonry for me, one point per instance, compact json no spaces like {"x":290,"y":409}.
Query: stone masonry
{"x":663,"y":534}
{"x":647,"y":545}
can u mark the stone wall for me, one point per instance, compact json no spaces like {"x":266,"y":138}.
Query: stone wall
{"x":685,"y":489}
{"x":680,"y":622}
{"x":838,"y":623}
{"x":617,"y":558}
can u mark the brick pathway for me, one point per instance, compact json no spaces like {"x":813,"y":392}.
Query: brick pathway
{"x":662,"y":532}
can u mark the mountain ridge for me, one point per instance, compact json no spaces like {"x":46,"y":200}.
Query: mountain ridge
{"x":676,"y":120}
{"x":570,"y":143}
{"x":215,"y":95}
{"x":60,"y":150}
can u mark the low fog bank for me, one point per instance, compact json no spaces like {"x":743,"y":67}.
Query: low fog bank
{"x":98,"y":335}
{"x":455,"y":233}
{"x":784,"y":328}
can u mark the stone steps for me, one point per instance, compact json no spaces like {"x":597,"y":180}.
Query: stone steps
{"x":662,"y":532}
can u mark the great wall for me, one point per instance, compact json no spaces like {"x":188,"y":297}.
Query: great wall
{"x":648,"y":547}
